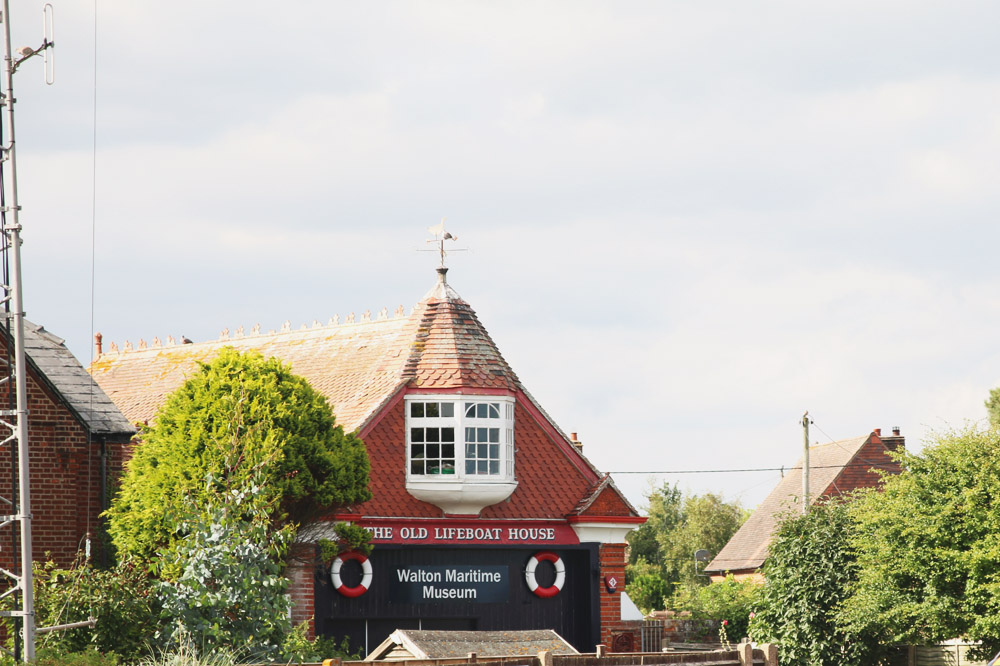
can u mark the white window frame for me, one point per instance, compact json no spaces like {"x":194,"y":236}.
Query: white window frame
{"x":460,"y":421}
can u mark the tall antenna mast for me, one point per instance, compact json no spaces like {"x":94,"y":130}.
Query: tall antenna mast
{"x":15,"y":420}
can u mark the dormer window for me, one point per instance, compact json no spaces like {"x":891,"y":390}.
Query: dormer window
{"x":460,"y":450}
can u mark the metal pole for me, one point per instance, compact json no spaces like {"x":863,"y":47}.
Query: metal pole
{"x":805,"y":463}
{"x":13,"y":229}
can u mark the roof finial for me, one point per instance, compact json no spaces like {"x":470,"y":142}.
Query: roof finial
{"x":440,"y":236}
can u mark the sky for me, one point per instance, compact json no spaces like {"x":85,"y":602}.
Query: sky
{"x":683,"y":223}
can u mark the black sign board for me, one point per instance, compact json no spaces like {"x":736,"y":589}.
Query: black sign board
{"x":416,"y":584}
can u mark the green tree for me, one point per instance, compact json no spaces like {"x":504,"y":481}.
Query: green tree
{"x":808,"y":573}
{"x":663,"y":516}
{"x":238,"y":415}
{"x":663,"y":548}
{"x":993,"y":407}
{"x":928,"y":545}
{"x":708,"y":522}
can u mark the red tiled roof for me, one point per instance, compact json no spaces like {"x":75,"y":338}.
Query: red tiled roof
{"x":364,"y":369}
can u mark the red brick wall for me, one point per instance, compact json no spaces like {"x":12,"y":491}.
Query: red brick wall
{"x":301,"y":573}
{"x":860,"y":473}
{"x":65,"y":478}
{"x":612,"y":558}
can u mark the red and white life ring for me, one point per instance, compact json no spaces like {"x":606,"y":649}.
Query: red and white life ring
{"x":366,"y":578}
{"x":529,"y":574}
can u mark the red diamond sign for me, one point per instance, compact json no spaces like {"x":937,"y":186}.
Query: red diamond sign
{"x":611,"y":583}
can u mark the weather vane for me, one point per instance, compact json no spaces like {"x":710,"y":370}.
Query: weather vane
{"x":440,"y":236}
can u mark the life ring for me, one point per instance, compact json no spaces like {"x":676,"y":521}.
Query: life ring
{"x":366,"y":578}
{"x":529,"y":574}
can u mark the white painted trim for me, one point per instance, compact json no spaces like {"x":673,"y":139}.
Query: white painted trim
{"x":600,"y":532}
{"x":461,"y":493}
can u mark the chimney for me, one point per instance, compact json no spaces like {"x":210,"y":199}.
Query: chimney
{"x":878,"y":432}
{"x":577,"y":443}
{"x":97,"y":343}
{"x":894,"y":442}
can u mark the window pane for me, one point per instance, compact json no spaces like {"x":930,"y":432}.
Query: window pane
{"x":447,"y":434}
{"x":494,"y":467}
{"x":470,"y":434}
{"x":448,"y":409}
{"x":417,"y":451}
{"x":482,"y":467}
{"x":470,"y":409}
{"x":470,"y":450}
{"x":481,"y":450}
{"x":470,"y":467}
{"x":494,"y":434}
{"x":431,"y":411}
{"x":481,"y":435}
{"x":494,"y":410}
{"x":448,"y":451}
{"x":416,"y":434}
{"x":433,"y":451}
{"x":482,"y":410}
{"x":494,"y":451}
{"x":417,"y":467}
{"x":416,"y":409}
{"x":433,"y":434}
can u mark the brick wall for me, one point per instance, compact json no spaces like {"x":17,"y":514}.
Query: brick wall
{"x":612,"y":562}
{"x":874,"y":454}
{"x":65,"y":478}
{"x":301,"y":573}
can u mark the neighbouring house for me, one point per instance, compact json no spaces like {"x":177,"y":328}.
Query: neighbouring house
{"x":835,"y":469}
{"x":410,"y":644}
{"x":76,"y":439}
{"x":484,"y":516}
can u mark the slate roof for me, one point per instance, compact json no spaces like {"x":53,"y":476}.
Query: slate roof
{"x":422,"y":644}
{"x":747,"y":549}
{"x":64,"y":373}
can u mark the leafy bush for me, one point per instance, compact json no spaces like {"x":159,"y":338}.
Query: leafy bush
{"x":645,"y":586}
{"x":730,"y":600}
{"x":240,"y":414}
{"x":119,"y":598}
{"x":88,"y":657}
{"x":927,"y":545}
{"x":808,"y":573}
{"x":228,"y":592}
{"x":298,"y":648}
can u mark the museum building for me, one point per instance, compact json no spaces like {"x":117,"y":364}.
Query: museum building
{"x":484,"y":514}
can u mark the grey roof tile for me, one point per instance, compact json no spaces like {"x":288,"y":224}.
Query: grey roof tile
{"x":54,"y":361}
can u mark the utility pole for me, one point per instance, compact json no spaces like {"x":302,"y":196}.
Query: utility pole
{"x":14,"y":420}
{"x":805,"y":463}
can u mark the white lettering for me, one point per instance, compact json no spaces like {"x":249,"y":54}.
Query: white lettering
{"x":472,"y":576}
{"x":431,"y":592}
{"x":418,"y":576}
{"x":382,"y":533}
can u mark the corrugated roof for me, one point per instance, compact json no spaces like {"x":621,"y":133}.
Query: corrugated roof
{"x":747,"y":549}
{"x":57,"y":365}
{"x":423,"y":644}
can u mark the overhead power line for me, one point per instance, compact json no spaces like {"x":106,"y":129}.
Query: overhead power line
{"x":755,"y":469}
